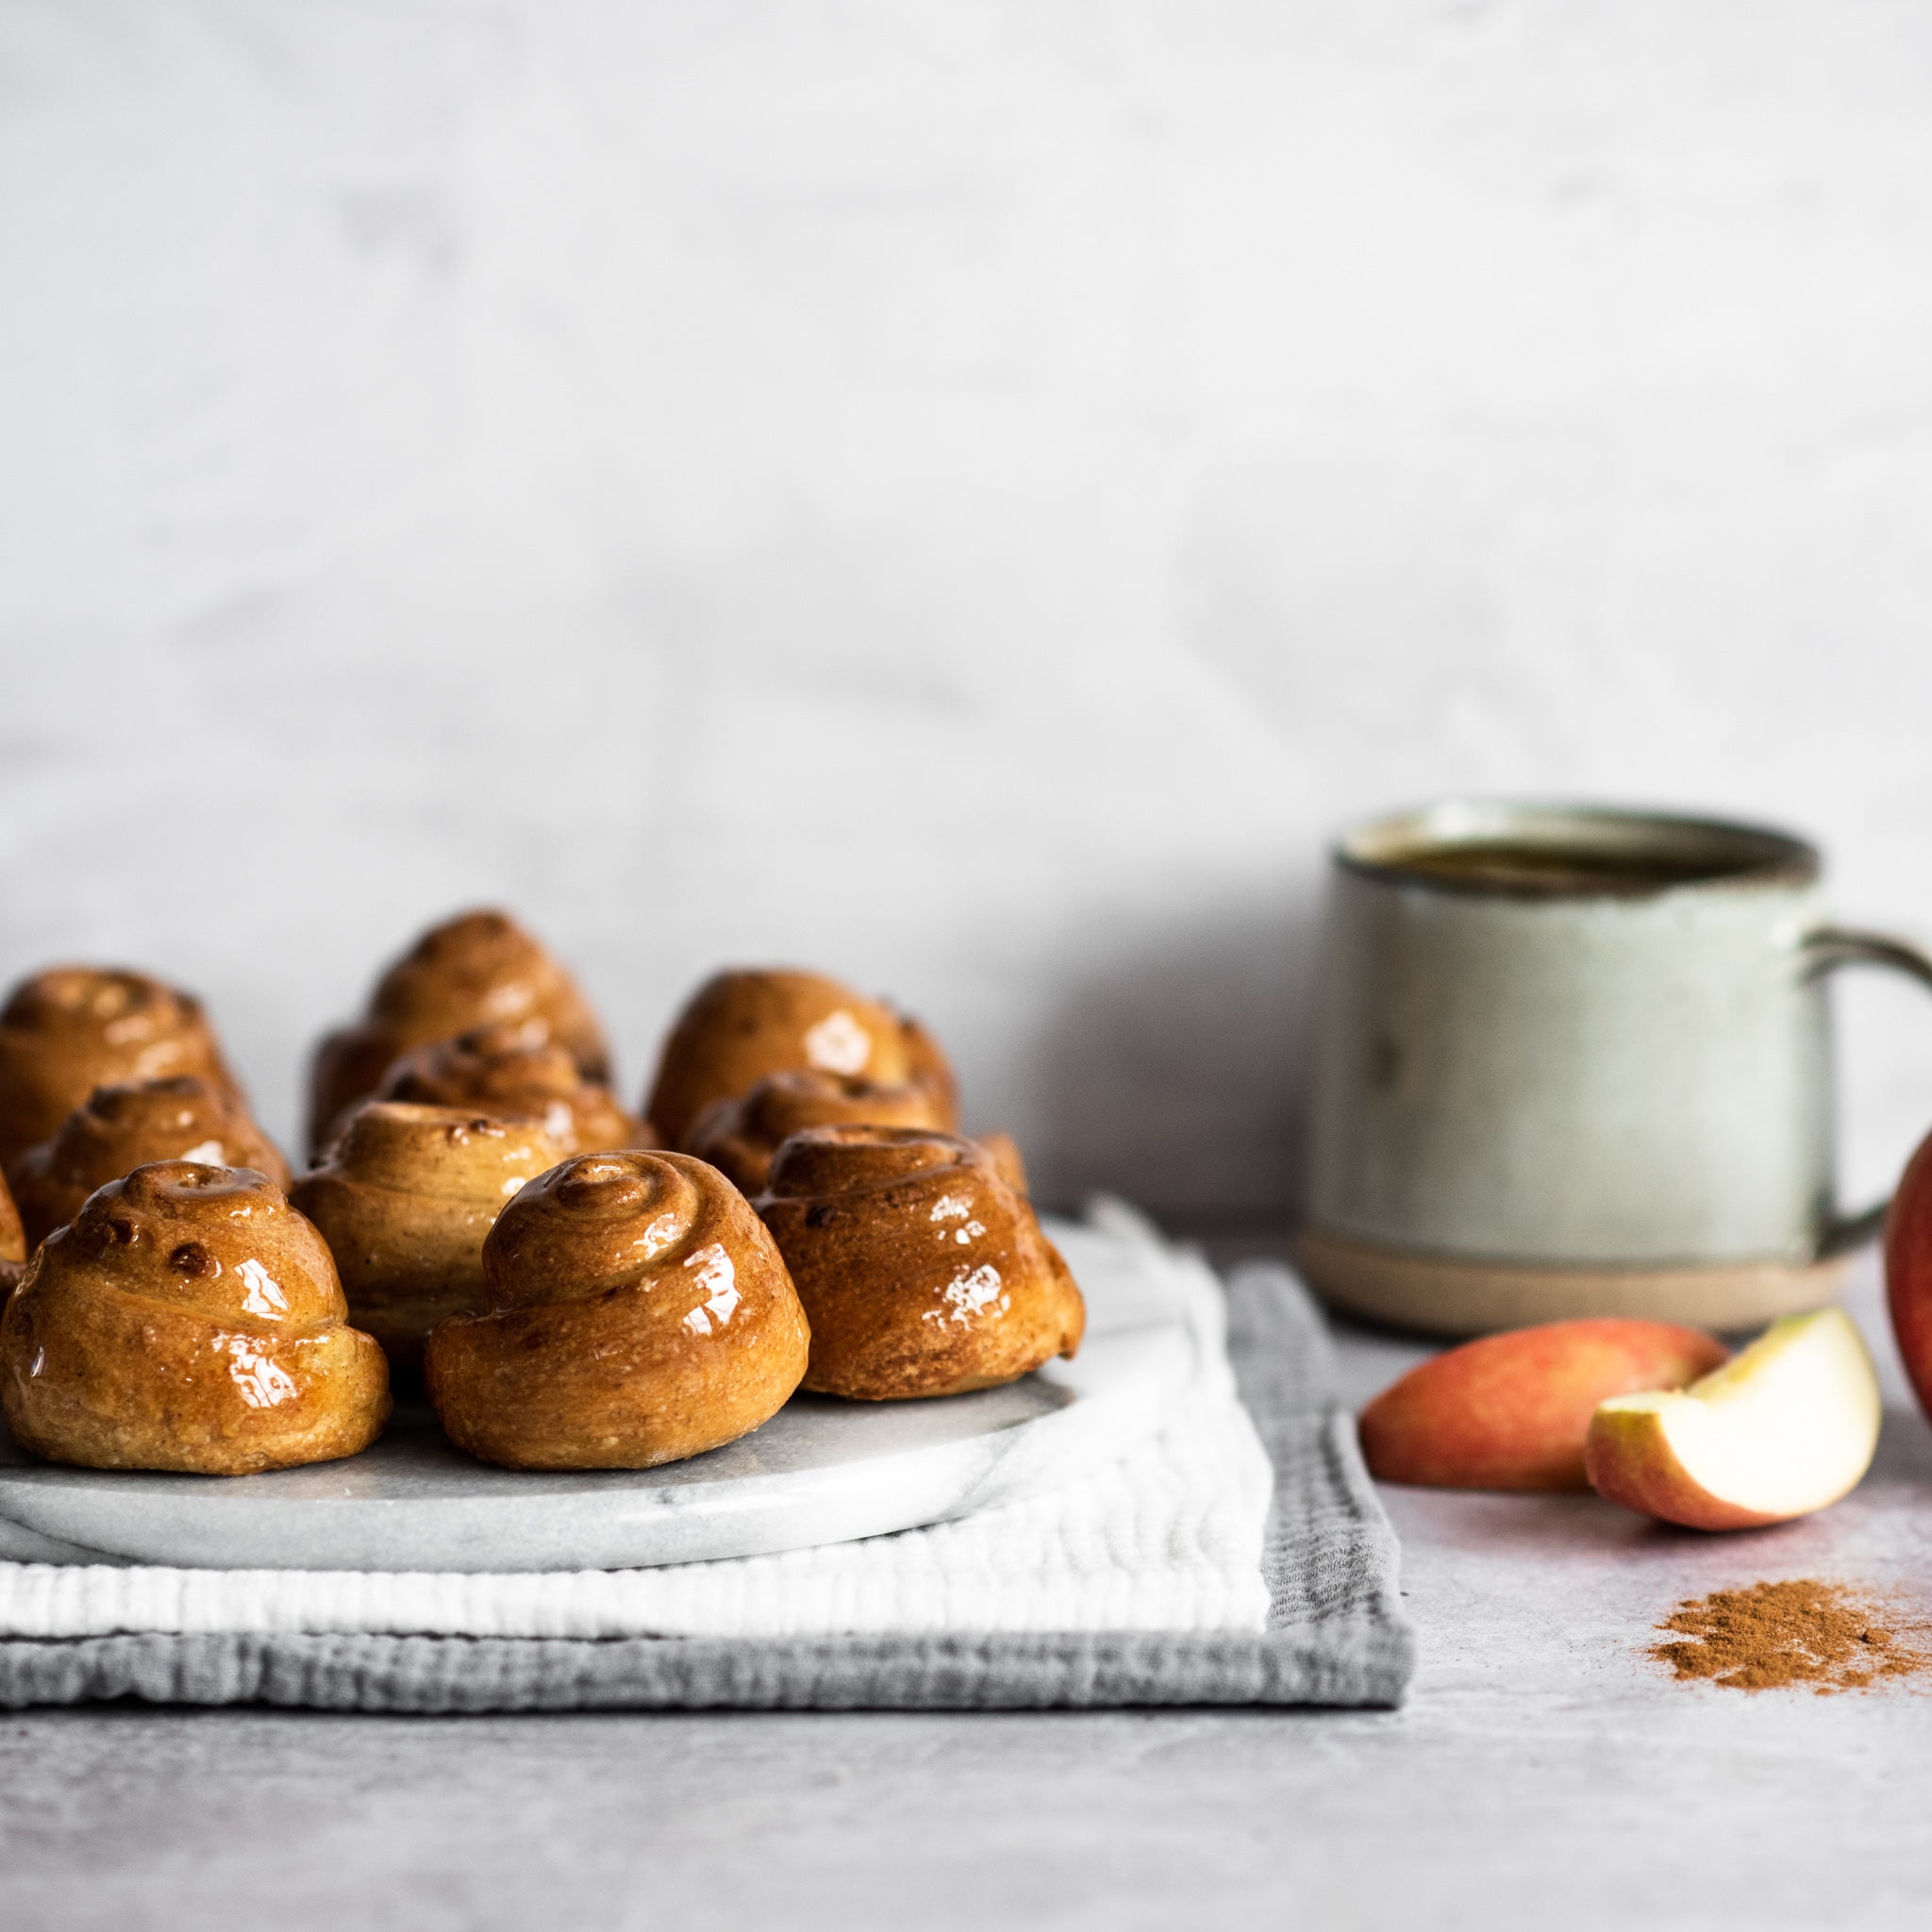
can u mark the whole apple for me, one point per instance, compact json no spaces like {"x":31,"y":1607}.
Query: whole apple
{"x":1908,"y":1270}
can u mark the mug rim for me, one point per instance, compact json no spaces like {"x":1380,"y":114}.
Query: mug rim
{"x":1739,"y":854}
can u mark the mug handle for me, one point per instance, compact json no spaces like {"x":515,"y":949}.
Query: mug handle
{"x":1824,"y":951}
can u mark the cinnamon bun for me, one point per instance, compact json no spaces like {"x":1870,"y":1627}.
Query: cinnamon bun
{"x":403,"y":1200}
{"x":12,"y":1243}
{"x":739,"y":1137}
{"x":128,"y":1126}
{"x":743,"y":1024}
{"x":470,"y":970}
{"x":922,"y":1270}
{"x":188,"y":1319}
{"x":638,"y":1314}
{"x":72,"y":1029}
{"x":514,"y":1070}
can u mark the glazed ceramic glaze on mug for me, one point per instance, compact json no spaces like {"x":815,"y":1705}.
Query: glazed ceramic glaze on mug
{"x":1572,"y":1061}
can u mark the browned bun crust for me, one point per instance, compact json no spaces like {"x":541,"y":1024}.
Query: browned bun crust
{"x":12,"y":1237}
{"x":129,"y":1126}
{"x":470,"y":970}
{"x":739,"y":1137}
{"x":744,"y":1024}
{"x":188,"y":1319}
{"x":72,"y":1029}
{"x":403,"y":1200}
{"x":639,"y":1314}
{"x":514,"y":1070}
{"x":922,"y":1270}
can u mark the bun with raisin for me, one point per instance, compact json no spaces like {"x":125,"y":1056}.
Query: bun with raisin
{"x":188,"y":1319}
{"x":513,"y":1070}
{"x":403,"y":1200}
{"x":128,"y":1126}
{"x":922,"y":1268}
{"x":739,"y":1137}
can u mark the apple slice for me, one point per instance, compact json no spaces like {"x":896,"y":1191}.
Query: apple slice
{"x":1510,"y":1412}
{"x":1783,"y":1428}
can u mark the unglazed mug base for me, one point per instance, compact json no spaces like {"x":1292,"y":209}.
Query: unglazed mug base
{"x":1460,"y":1295}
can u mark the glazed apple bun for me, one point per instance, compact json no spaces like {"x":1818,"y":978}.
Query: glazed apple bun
{"x":13,"y":1242}
{"x":743,"y":1024}
{"x":472,"y":970}
{"x":638,"y":1314}
{"x":515,"y":1069}
{"x":921,"y":1269}
{"x":128,"y":1126}
{"x":69,"y":1030}
{"x":188,"y":1319}
{"x":403,"y":1200}
{"x":739,"y":1137}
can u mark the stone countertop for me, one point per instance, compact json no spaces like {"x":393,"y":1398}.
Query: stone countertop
{"x":1543,"y":1770}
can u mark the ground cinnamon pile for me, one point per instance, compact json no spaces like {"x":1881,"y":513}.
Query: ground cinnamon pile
{"x":1778,"y":1634}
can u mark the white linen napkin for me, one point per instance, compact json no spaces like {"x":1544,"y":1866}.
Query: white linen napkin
{"x":1169,"y":1538}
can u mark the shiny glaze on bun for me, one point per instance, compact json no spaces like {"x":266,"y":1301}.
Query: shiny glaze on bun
{"x":405,"y":1199}
{"x":744,"y":1024}
{"x":478,"y":968}
{"x":72,"y":1029}
{"x":514,"y":1070}
{"x":12,"y":1243}
{"x":638,"y":1314}
{"x":188,"y":1319}
{"x":922,"y":1268}
{"x":739,"y":1137}
{"x":129,"y":1126}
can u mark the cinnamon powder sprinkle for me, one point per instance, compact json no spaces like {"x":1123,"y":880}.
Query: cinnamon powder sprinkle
{"x":1774,"y":1635}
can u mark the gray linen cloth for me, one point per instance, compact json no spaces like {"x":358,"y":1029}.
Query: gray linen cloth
{"x":1335,"y":1632}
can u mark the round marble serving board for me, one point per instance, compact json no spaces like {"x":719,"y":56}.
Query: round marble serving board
{"x":821,"y":1470}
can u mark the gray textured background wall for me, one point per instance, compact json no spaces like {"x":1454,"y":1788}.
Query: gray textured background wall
{"x":966,"y":494}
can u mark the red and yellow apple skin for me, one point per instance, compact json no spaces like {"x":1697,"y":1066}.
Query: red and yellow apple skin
{"x":1785,"y":1428}
{"x":1511,"y":1411}
{"x":1908,"y":1270}
{"x":1630,"y":1461}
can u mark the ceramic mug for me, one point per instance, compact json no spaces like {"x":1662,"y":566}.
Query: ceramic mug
{"x":1575,"y":1061}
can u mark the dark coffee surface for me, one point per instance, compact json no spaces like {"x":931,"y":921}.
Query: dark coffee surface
{"x":1518,"y":866}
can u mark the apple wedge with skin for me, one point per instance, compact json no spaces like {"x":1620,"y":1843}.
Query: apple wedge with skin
{"x":1511,"y":1410}
{"x":1785,"y":1427}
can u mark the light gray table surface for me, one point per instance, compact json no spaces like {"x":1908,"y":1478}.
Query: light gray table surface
{"x":1545,"y":1771}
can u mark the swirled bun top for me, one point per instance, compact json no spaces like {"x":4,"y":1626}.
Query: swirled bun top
{"x":127,"y":1125}
{"x":514,"y":1070}
{"x":921,"y":1269}
{"x":739,"y":1137}
{"x":471,"y":971}
{"x":66,"y":1031}
{"x":743,"y":1024}
{"x":482,"y":966}
{"x":222,"y":1240}
{"x":405,"y":1198}
{"x":439,"y":1153}
{"x":638,"y":1314}
{"x":616,"y":1220}
{"x":188,"y":1319}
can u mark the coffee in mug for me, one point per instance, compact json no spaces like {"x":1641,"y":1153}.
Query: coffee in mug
{"x":1571,"y":1060}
